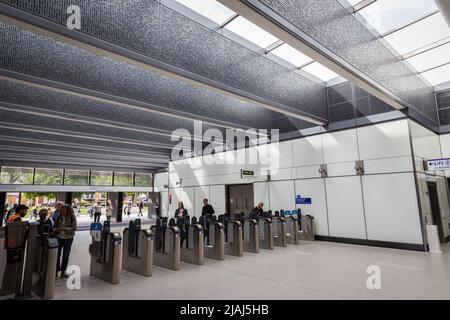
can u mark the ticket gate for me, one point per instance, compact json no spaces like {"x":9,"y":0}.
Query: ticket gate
{"x":137,"y":253}
{"x":214,"y":248}
{"x":306,"y":224}
{"x":264,"y":231}
{"x":292,"y":235}
{"x":192,"y":237}
{"x":106,"y":253}
{"x":234,"y":242}
{"x":28,"y":261}
{"x":250,"y":234}
{"x":278,"y":230}
{"x":166,"y":251}
{"x":44,"y":271}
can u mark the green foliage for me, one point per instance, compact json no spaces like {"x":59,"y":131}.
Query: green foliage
{"x":32,"y":195}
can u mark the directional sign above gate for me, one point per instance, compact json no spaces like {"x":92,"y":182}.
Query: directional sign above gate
{"x":438,"y":164}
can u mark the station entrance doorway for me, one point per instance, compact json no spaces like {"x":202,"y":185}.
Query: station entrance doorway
{"x":435,"y":209}
{"x":239,"y":198}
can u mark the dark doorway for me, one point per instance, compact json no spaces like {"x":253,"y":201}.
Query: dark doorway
{"x":435,"y":209}
{"x":239,"y":198}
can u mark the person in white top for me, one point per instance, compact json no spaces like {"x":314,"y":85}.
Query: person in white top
{"x":97,"y":211}
{"x":109,"y":210}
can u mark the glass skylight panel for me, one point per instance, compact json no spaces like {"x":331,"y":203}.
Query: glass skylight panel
{"x":386,"y":15}
{"x":431,"y":58}
{"x":291,"y":55}
{"x":438,"y":75}
{"x":210,"y":9}
{"x":251,"y":32}
{"x":319,"y":71}
{"x":420,"y":34}
{"x":353,"y":2}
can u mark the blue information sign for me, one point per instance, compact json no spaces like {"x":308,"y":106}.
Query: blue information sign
{"x":300,"y":200}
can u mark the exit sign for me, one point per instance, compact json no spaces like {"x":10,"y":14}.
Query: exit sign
{"x":247,"y":174}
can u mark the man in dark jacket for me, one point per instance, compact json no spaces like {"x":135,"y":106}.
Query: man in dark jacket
{"x":207,"y":208}
{"x":258,"y":209}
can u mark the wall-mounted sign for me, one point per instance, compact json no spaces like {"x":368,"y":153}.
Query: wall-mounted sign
{"x":438,"y":164}
{"x":300,"y":200}
{"x":247,"y":174}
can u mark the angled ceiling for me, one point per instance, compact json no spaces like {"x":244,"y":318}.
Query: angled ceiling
{"x":329,"y":32}
{"x":136,"y":72}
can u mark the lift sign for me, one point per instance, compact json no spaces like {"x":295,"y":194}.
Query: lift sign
{"x":438,"y":164}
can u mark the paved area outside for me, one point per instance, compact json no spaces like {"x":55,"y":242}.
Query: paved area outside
{"x":312,"y":270}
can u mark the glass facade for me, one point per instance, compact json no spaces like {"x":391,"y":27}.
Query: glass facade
{"x":143,"y":180}
{"x":76,"y":178}
{"x":101,"y":178}
{"x":123,"y":179}
{"x":14,"y":175}
{"x":48,"y":176}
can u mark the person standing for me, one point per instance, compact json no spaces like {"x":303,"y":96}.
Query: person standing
{"x":109,"y":210}
{"x":141,"y":206}
{"x":20,"y":212}
{"x":207,"y":208}
{"x":44,"y":219}
{"x":97,"y":211}
{"x":65,"y":227}
{"x":180,"y":212}
{"x":58,"y":207}
{"x":258,"y":209}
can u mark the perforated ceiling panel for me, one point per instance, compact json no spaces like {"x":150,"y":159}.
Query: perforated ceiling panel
{"x":28,"y":53}
{"x":158,"y":32}
{"x":334,"y":28}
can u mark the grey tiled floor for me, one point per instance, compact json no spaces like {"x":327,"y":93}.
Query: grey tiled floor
{"x":313,"y":270}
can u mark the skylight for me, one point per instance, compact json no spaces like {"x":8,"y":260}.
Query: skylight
{"x":420,"y":34}
{"x":251,"y":32}
{"x":431,"y":58}
{"x":386,"y":15}
{"x":291,"y":55}
{"x":319,"y":71}
{"x":438,"y":75}
{"x":210,"y":9}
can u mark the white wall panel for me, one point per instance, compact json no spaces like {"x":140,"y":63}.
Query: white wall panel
{"x":282,"y":174}
{"x":308,"y":151}
{"x":217,"y":198}
{"x":282,"y":195}
{"x":384,"y":140}
{"x":425,"y":142}
{"x":188,"y":198}
{"x":340,"y":146}
{"x":285,"y":159}
{"x":261,"y":193}
{"x":314,"y":189}
{"x":161,"y":179}
{"x":174,"y":197}
{"x":200,"y":194}
{"x":164,"y":209}
{"x":307,"y":172}
{"x":445,"y":145}
{"x":345,"y":207}
{"x":399,"y":164}
{"x":341,"y":169}
{"x":391,"y":208}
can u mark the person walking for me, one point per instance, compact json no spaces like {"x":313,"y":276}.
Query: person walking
{"x":141,"y":206}
{"x":180,"y":212}
{"x":97,"y":211}
{"x":258,"y":210}
{"x":65,"y":227}
{"x":109,"y":210}
{"x":35,"y":213}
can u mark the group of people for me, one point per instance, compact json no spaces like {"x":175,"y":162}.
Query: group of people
{"x":62,"y":225}
{"x":207,"y":209}
{"x":96,"y":211}
{"x":127,"y":208}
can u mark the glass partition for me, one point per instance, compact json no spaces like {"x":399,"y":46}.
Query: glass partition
{"x":48,"y":176}
{"x":101,"y":178}
{"x":76,"y":177}
{"x":143,"y":180}
{"x":14,"y":175}
{"x":123,"y":179}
